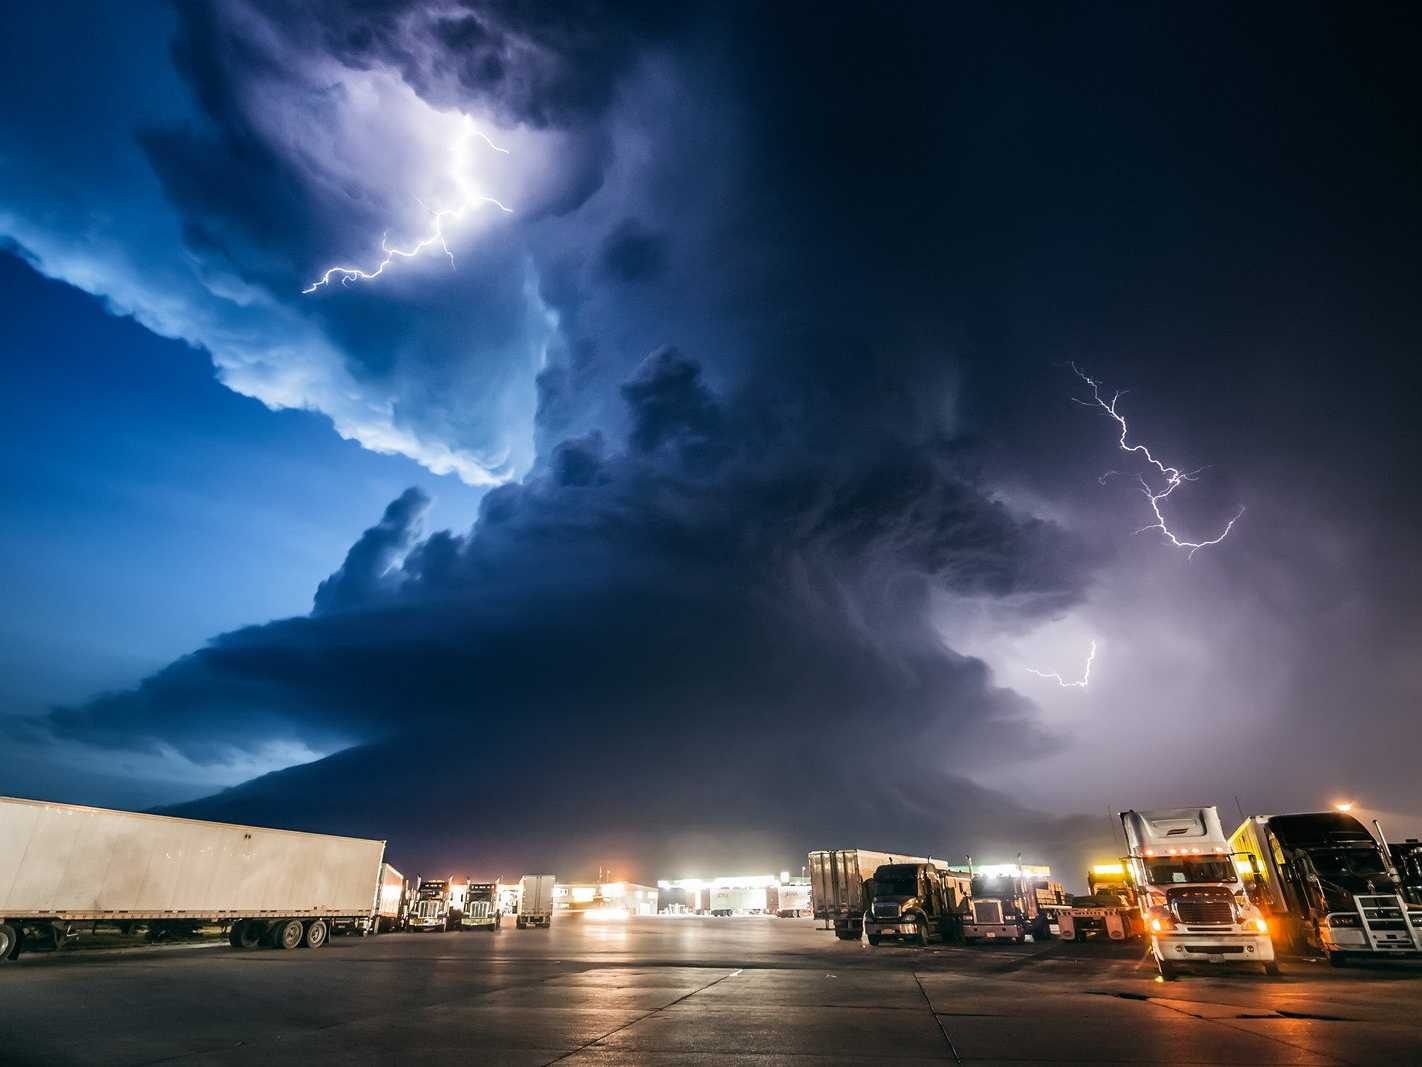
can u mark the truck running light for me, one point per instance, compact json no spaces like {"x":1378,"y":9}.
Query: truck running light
{"x":1261,"y":926}
{"x":1155,"y":925}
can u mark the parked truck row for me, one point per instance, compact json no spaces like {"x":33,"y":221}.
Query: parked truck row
{"x":66,"y":864}
{"x":1294,"y":883}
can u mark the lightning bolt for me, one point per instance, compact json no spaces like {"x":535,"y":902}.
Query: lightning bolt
{"x":1085,"y":674}
{"x":436,"y":236}
{"x":1174,"y":476}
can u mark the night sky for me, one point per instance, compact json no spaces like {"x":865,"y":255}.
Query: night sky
{"x":709,"y":483}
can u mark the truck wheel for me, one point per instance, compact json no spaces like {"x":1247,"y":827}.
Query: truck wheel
{"x":846,"y":935}
{"x":9,"y":942}
{"x":1271,"y":969}
{"x":1079,"y":935}
{"x":921,"y":934}
{"x":316,"y":933}
{"x":1168,"y":970}
{"x":874,"y":940}
{"x":288,"y":934}
{"x":245,"y":933}
{"x":1337,"y":959}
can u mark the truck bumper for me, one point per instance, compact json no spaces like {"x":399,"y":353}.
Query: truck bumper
{"x":1384,"y":942}
{"x":1213,"y":948}
{"x":992,"y":932}
{"x":891,"y":929}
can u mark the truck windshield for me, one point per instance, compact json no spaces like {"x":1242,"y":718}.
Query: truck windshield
{"x":896,"y":880}
{"x":1181,"y":869}
{"x":1345,"y":862}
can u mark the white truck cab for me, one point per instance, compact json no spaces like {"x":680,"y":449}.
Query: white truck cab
{"x":1192,"y":898}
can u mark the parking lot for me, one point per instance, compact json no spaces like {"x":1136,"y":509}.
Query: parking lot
{"x":690,"y":991}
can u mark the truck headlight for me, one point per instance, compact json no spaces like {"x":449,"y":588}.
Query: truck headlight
{"x":1261,"y":926}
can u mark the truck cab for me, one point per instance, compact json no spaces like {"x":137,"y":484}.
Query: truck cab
{"x":1328,"y":885}
{"x":430,"y":909}
{"x":1407,"y":858}
{"x":913,"y":901}
{"x":482,"y":909}
{"x":1191,"y":896}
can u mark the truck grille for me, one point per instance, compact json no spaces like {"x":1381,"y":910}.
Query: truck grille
{"x":886,"y":911}
{"x":987,"y":912}
{"x":1194,"y":912}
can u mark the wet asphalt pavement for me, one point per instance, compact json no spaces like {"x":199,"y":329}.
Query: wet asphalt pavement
{"x":691,"y":991}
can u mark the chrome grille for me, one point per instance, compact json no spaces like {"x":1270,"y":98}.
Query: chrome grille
{"x":987,"y":912}
{"x":1195,"y":912}
{"x":886,"y":911}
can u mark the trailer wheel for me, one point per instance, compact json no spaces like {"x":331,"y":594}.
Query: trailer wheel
{"x":288,"y":934}
{"x":9,"y":942}
{"x":316,"y":933}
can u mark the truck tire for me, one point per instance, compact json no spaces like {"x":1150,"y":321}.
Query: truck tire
{"x":288,"y":934}
{"x":846,"y":935}
{"x":1337,"y":959}
{"x":245,"y":933}
{"x":9,"y":942}
{"x":1168,"y":970}
{"x":874,"y":940}
{"x":317,"y":933}
{"x":920,"y":934}
{"x":1272,"y":969}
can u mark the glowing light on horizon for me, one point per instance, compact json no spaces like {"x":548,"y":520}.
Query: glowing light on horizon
{"x":1174,"y":476}
{"x":1079,"y":684}
{"x":437,"y":237}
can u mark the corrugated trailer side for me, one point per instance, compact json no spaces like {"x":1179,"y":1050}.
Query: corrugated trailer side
{"x":68,"y":863}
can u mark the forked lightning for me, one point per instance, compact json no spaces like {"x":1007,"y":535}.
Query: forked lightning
{"x":436,"y":237}
{"x":1080,"y":683}
{"x":1174,"y":476}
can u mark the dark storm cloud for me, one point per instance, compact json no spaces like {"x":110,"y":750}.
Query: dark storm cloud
{"x":706,"y":571}
{"x":632,"y":253}
{"x":618,"y":617}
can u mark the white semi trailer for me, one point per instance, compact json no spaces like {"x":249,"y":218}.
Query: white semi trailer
{"x":390,"y":904}
{"x":64,"y":863}
{"x":535,"y":901}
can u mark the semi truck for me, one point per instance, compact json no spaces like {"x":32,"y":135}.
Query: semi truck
{"x":535,"y":900}
{"x":62,"y":864}
{"x":1011,"y":901}
{"x":389,"y":901}
{"x":430,"y":909}
{"x":1326,"y":884}
{"x":1109,"y":910}
{"x":482,"y":910}
{"x":1192,"y":899}
{"x":837,"y":880}
{"x":917,"y":901}
{"x":1407,"y":858}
